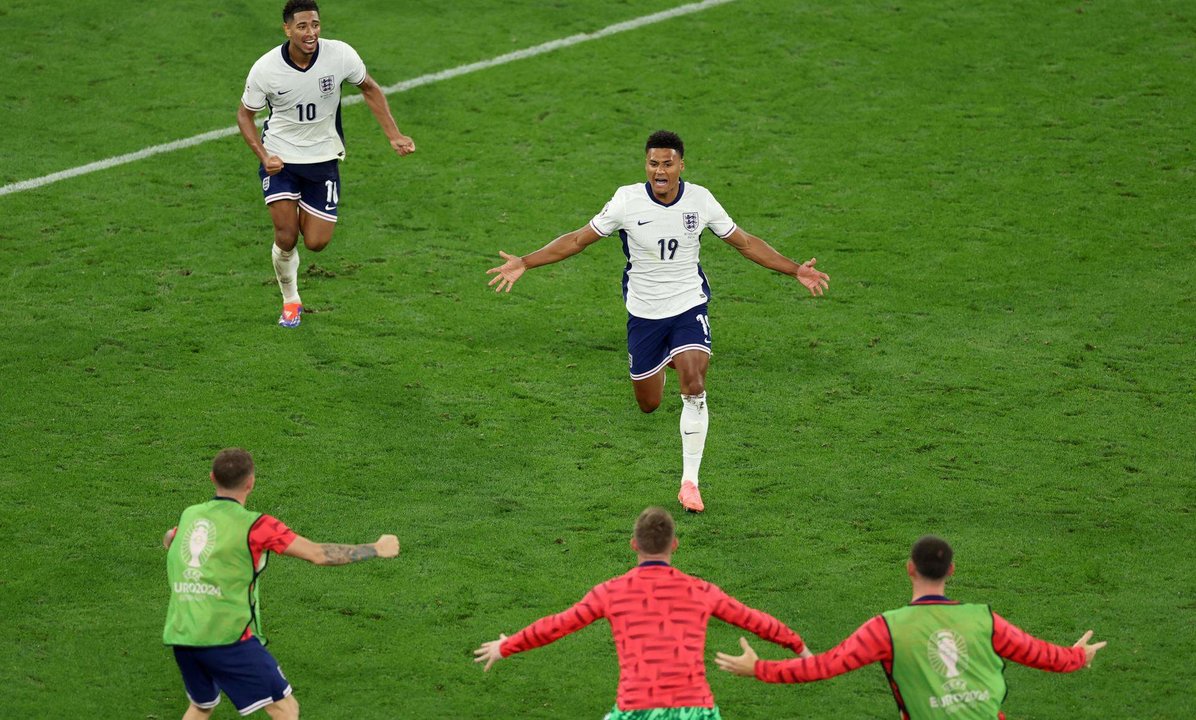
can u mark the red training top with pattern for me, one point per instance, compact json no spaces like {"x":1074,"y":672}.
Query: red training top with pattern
{"x":267,"y":534}
{"x":658,"y":616}
{"x":873,"y":643}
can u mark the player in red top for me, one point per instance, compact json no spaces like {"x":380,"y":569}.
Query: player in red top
{"x":658,"y":616}
{"x":929,"y":566}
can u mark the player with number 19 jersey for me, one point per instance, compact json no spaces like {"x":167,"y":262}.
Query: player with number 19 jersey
{"x":660,"y":223}
{"x":663,"y":277}
{"x":305,"y":103}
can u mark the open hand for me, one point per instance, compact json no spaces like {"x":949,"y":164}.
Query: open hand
{"x":489,"y":652}
{"x":1089,"y":650}
{"x":507,"y":273}
{"x":744,"y":664}
{"x":815,"y":280}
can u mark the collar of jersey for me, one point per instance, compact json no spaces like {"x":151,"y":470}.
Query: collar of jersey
{"x":648,"y":188}
{"x":934,"y":600}
{"x":286,"y":58}
{"x":654,"y":563}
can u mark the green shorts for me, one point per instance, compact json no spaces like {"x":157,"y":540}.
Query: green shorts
{"x":677,"y":713}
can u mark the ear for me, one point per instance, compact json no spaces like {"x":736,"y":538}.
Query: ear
{"x":950,"y":571}
{"x":909,"y":568}
{"x":675,"y":544}
{"x":249,"y":482}
{"x":634,"y":545}
{"x":212,"y":477}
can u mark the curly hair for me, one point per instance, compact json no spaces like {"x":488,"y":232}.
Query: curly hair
{"x":667,"y":140}
{"x":296,"y":6}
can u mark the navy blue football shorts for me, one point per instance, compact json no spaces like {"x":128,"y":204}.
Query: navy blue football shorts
{"x":651,"y":344}
{"x":317,"y":187}
{"x":245,"y":671}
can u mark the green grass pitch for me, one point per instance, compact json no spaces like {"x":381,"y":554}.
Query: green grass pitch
{"x":1001,"y":193}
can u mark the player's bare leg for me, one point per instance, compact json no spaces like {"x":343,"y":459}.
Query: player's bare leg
{"x":317,"y":232}
{"x":285,"y":216}
{"x":691,"y":369}
{"x":194,"y":712}
{"x":649,"y":391}
{"x":285,"y":709}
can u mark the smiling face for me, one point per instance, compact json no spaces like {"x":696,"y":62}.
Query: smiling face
{"x":664,"y":166}
{"x":304,"y":33}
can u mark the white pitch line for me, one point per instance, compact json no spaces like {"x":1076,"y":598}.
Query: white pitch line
{"x":353,"y":99}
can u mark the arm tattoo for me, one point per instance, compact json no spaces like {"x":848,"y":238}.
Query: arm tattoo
{"x":336,"y":554}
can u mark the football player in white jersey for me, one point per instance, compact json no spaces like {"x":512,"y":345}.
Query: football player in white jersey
{"x":665,"y":290}
{"x":301,"y":143}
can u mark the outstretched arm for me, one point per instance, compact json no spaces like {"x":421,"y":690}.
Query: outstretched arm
{"x":1013,"y":643}
{"x":761,"y":253}
{"x":564,"y":246}
{"x":543,"y":631}
{"x":372,"y":93}
{"x":868,"y":644}
{"x":765,"y":626}
{"x":386,"y":546}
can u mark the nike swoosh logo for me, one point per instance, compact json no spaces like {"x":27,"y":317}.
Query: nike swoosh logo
{"x":695,"y":432}
{"x":642,"y":222}
{"x":283,"y":92}
{"x":329,"y":207}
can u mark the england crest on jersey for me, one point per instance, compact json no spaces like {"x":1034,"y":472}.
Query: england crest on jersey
{"x":327,"y":84}
{"x":690,"y":220}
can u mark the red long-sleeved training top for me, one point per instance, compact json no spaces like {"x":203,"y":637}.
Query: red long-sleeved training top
{"x":658,"y":616}
{"x":873,"y":643}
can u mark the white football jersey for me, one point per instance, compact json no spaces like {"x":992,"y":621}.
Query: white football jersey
{"x":663,"y":276}
{"x":305,"y":104}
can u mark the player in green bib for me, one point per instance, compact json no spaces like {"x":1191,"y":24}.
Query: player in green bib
{"x":944,"y":659}
{"x":216,"y":555}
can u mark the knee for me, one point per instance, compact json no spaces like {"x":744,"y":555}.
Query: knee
{"x":315,"y":244}
{"x":693,"y":386}
{"x":285,"y":238}
{"x":647,"y":406}
{"x":285,"y":709}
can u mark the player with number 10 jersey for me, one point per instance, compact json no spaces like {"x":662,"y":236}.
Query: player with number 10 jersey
{"x":301,"y":142}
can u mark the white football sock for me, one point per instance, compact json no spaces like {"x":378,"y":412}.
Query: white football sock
{"x":694,"y":421}
{"x":286,"y":270}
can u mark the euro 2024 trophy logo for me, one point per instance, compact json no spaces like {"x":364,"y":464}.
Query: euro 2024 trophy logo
{"x":948,"y":653}
{"x":198,"y":547}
